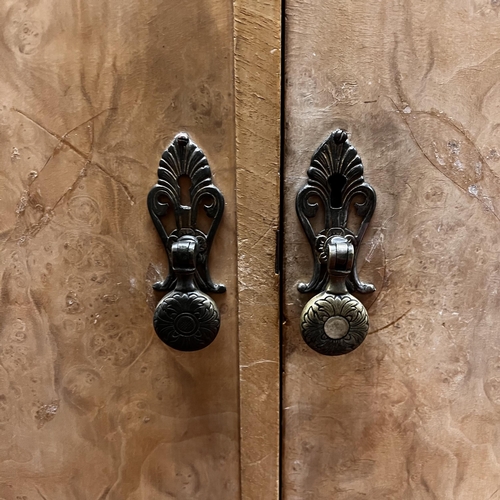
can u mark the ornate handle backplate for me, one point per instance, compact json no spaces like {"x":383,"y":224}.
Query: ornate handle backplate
{"x":334,"y":322}
{"x":186,"y":319}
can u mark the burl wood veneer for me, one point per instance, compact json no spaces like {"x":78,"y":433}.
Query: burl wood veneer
{"x":92,"y":404}
{"x":414,"y":413}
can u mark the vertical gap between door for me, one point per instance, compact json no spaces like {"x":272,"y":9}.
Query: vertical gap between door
{"x":281,"y":247}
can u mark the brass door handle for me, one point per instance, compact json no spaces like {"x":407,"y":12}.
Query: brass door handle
{"x":186,"y":319}
{"x":334,"y":322}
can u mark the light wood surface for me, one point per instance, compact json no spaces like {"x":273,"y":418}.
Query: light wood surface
{"x":414,"y":412}
{"x":257,"y":68}
{"x":92,"y":404}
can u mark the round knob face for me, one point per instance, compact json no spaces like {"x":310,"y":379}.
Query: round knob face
{"x":334,"y":324}
{"x":186,"y":321}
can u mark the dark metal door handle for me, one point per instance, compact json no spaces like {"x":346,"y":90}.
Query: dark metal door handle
{"x":186,"y":319}
{"x":335,"y":322}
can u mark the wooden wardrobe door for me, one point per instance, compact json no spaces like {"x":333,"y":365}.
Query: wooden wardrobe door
{"x":92,"y":404}
{"x":413,"y":413}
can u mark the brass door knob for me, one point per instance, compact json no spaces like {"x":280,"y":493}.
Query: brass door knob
{"x":334,"y":322}
{"x":186,"y":319}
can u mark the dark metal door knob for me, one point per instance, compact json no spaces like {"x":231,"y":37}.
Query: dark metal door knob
{"x":334,"y":322}
{"x":186,"y":319}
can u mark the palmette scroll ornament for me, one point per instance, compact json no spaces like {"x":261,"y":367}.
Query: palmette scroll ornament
{"x":186,"y":319}
{"x":334,"y":322}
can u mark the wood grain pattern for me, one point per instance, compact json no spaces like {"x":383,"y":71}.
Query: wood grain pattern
{"x":92,"y":404}
{"x":414,"y":412}
{"x":257,"y":72}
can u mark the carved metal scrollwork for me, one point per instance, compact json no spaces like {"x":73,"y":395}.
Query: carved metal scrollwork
{"x":186,"y":318}
{"x":334,"y":322}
